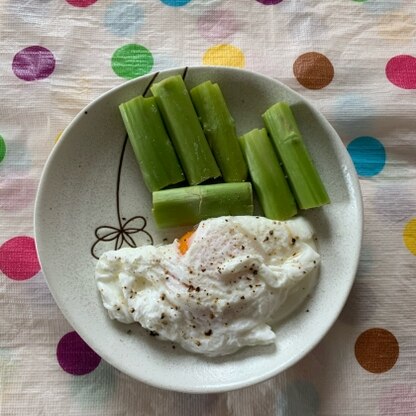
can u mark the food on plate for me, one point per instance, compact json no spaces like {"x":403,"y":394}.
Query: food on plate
{"x":185,"y":131}
{"x":151,"y":144}
{"x":267,"y":176}
{"x":190,"y":205}
{"x":303,"y":177}
{"x":217,"y":289}
{"x":208,"y":148}
{"x":220,"y":130}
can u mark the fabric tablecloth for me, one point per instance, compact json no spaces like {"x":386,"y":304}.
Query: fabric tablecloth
{"x":351,"y":58}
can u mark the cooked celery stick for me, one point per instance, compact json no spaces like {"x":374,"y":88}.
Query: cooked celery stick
{"x":190,"y":205}
{"x":267,"y":176}
{"x":303,"y":177}
{"x":150,"y":142}
{"x":219,"y":129}
{"x":184,"y":128}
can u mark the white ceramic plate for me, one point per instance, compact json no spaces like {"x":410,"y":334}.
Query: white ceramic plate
{"x":91,"y":191}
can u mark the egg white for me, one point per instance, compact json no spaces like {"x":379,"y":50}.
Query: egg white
{"x":239,"y":276}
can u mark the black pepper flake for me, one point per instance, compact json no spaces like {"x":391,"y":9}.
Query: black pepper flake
{"x":314,"y":262}
{"x":242,"y":298}
{"x":304,"y":272}
{"x":153,"y":333}
{"x":266,"y":239}
{"x":203,"y":270}
{"x":198,"y":289}
{"x":132,"y":310}
{"x":118,"y":309}
{"x":293,"y":241}
{"x":255,"y":272}
{"x":198,"y":343}
{"x":307,"y":310}
{"x":162,"y":297}
{"x":191,"y":288}
{"x":212,"y":316}
{"x":165,"y":239}
{"x":226,"y":220}
{"x":173,"y":347}
{"x":271,"y":231}
{"x":243,"y":248}
{"x":255,"y":238}
{"x":194,"y":326}
{"x":208,"y":333}
{"x":250,"y":286}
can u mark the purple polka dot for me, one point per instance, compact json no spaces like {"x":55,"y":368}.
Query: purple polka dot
{"x":33,"y":62}
{"x":75,"y":356}
{"x":269,"y":2}
{"x":217,"y":24}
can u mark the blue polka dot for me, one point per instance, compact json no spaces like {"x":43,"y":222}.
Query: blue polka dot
{"x":298,"y":398}
{"x":352,"y":114}
{"x":368,"y":155}
{"x":123,"y":17}
{"x":175,"y":3}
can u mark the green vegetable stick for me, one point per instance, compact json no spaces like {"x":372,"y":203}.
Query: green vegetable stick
{"x":219,"y":129}
{"x":267,"y":176}
{"x":184,"y":128}
{"x":303,"y":177}
{"x":151,"y":145}
{"x":190,"y":205}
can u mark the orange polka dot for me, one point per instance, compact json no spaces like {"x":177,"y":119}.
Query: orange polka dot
{"x":313,"y":70}
{"x":377,"y":350}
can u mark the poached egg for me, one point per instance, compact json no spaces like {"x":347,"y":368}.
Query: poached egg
{"x":217,"y":289}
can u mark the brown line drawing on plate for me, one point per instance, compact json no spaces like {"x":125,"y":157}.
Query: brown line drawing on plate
{"x":123,"y":233}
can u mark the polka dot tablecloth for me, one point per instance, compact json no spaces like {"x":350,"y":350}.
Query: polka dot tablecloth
{"x":355,"y":60}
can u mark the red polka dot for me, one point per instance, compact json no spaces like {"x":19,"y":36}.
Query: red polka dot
{"x":18,"y":258}
{"x":75,"y":356}
{"x":81,"y":3}
{"x":401,"y":71}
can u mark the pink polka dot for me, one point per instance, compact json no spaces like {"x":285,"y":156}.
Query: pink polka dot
{"x":398,"y":400}
{"x":81,"y":3}
{"x":75,"y":356}
{"x":401,"y":71}
{"x":18,"y":258}
{"x":217,"y":24}
{"x":33,"y":63}
{"x":16,"y":192}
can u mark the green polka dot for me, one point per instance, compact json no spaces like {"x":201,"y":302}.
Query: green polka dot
{"x":2,"y":148}
{"x":131,"y":61}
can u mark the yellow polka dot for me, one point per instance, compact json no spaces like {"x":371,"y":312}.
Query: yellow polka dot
{"x":224,"y":55}
{"x":58,"y":136}
{"x":397,"y":26}
{"x":409,"y":236}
